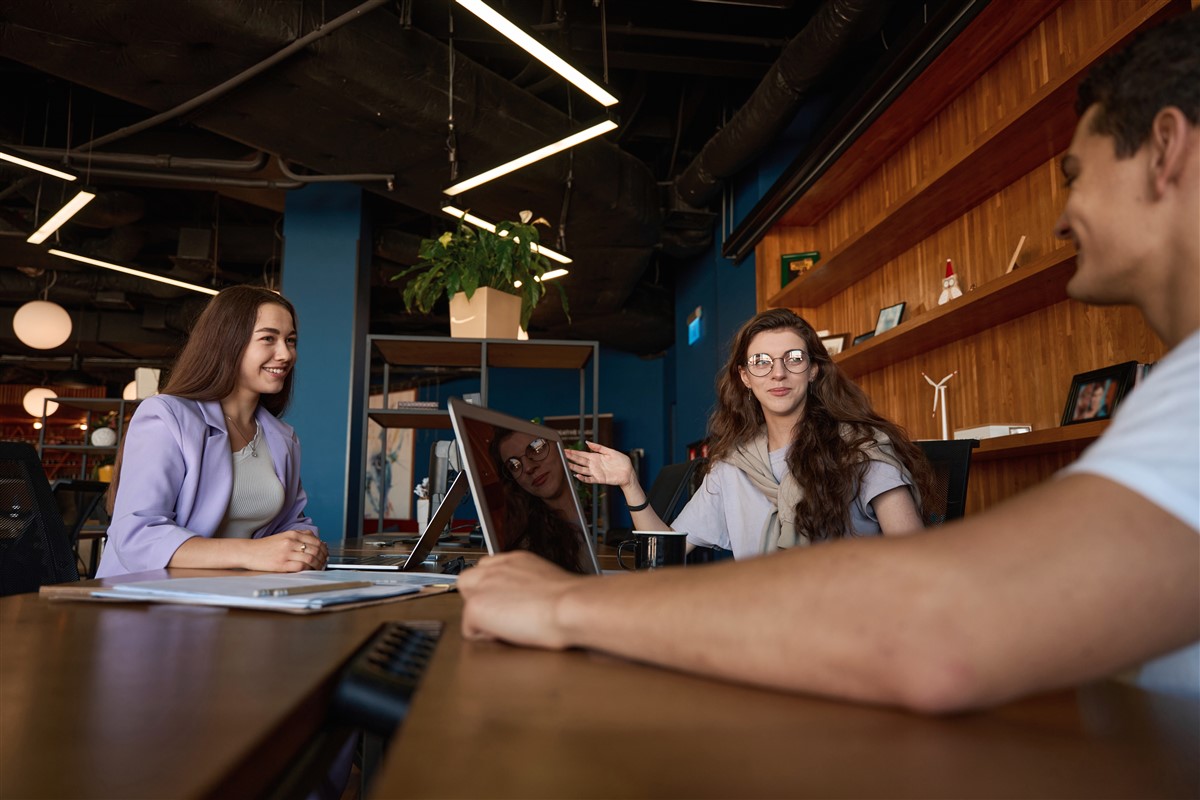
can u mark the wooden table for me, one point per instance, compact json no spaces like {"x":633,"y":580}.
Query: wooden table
{"x":132,"y":701}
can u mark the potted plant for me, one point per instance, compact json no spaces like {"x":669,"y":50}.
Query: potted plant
{"x":493,"y":280}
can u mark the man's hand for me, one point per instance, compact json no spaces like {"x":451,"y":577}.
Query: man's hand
{"x":514,"y":597}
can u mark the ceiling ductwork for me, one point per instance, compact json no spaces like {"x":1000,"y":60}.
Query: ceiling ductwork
{"x":836,"y":26}
{"x":205,"y":101}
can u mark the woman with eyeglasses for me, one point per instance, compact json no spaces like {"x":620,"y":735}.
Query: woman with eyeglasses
{"x":539,"y":506}
{"x":796,"y":453}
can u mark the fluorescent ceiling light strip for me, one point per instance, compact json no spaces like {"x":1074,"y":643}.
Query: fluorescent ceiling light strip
{"x":137,"y":272}
{"x":66,"y":176}
{"x":478,"y":222}
{"x":59,"y":219}
{"x":529,"y":158}
{"x":539,"y":51}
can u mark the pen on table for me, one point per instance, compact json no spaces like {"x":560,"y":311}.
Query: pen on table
{"x":325,"y":587}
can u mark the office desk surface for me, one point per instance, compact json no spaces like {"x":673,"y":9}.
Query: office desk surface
{"x":102,"y":700}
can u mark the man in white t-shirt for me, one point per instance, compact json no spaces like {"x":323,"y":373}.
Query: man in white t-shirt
{"x":1085,"y":575}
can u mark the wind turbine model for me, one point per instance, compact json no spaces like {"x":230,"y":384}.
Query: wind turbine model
{"x":939,"y":393}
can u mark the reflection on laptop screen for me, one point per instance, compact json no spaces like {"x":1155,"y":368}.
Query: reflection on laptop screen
{"x":525,"y":495}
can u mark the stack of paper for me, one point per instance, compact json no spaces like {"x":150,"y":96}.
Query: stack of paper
{"x":293,"y":591}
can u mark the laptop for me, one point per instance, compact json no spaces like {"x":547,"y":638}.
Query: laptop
{"x":413,"y":561}
{"x":522,"y":487}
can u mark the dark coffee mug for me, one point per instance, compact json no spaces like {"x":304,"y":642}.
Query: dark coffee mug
{"x":654,"y":549}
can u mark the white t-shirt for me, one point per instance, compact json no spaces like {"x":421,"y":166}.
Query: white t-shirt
{"x":729,"y":511}
{"x":1153,"y":448}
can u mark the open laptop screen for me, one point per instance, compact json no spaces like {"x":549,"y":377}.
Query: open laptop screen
{"x":519,"y":479}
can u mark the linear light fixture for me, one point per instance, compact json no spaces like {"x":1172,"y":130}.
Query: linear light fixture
{"x":479,"y":222}
{"x":536,"y":49}
{"x":118,"y":268}
{"x":549,"y":276}
{"x":12,"y":158}
{"x":60,"y":218}
{"x":529,"y":158}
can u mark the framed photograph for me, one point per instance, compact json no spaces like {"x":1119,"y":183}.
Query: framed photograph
{"x":889,"y":318}
{"x":862,"y":337}
{"x":835,"y":343}
{"x":1096,"y":394}
{"x":793,"y":264}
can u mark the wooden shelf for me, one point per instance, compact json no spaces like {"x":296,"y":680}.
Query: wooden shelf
{"x":1034,"y":133}
{"x":411,"y":418}
{"x":959,"y":65}
{"x":1069,"y":438}
{"x":1036,"y":285}
{"x":435,"y":351}
{"x":79,"y":448}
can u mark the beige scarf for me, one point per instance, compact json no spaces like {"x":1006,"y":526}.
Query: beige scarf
{"x":779,"y":530}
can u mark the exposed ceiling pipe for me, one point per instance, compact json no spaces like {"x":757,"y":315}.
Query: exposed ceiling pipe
{"x":225,"y":87}
{"x":255,"y":163}
{"x":186,"y":177}
{"x":390,"y":180}
{"x":833,"y":28}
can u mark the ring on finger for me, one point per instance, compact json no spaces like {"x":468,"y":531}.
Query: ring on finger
{"x":303,"y":548}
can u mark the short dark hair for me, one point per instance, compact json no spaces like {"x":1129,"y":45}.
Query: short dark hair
{"x":1160,"y":68}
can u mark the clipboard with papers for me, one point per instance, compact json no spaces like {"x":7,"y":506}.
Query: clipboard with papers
{"x":306,"y":592}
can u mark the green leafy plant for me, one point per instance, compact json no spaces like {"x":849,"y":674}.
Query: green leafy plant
{"x":468,"y":258}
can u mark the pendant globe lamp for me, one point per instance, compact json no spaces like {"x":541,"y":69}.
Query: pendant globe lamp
{"x":42,"y":325}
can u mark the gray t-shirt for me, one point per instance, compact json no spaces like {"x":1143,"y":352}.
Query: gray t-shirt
{"x":729,"y":511}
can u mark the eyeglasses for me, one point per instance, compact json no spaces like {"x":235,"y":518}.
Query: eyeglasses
{"x":761,"y":364}
{"x":534,"y":451}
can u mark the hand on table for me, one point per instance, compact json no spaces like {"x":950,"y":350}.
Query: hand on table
{"x":514,"y":597}
{"x":288,"y":551}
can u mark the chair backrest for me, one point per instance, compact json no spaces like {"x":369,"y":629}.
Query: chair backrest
{"x":951,"y":463}
{"x":673,"y":487}
{"x":34,"y":549}
{"x":77,"y":503}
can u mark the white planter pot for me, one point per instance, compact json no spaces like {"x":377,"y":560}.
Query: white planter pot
{"x":489,"y":314}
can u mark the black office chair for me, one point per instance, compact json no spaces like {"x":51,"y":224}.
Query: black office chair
{"x":78,"y":502}
{"x":951,"y":463}
{"x":673,"y":487}
{"x":34,"y":549}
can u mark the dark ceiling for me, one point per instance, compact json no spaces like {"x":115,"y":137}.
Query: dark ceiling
{"x":200,"y":195}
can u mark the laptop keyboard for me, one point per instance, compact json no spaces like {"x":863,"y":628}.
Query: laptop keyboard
{"x":378,"y":685}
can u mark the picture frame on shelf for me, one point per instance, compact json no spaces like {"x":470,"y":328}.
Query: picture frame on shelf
{"x":889,"y":317}
{"x":835,"y":343}
{"x":862,"y":337}
{"x":793,"y":264}
{"x":1095,"y":395}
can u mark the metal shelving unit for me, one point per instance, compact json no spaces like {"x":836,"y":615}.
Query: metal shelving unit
{"x":93,"y":407}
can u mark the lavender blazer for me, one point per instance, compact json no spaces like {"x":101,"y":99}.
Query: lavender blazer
{"x":177,"y":478}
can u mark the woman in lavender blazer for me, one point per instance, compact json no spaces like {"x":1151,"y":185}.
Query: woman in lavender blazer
{"x":190,"y":489}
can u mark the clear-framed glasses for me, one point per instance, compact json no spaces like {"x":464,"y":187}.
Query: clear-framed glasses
{"x":761,"y":364}
{"x":534,"y":451}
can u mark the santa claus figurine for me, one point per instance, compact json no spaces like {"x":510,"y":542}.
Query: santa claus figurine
{"x":950,"y":288}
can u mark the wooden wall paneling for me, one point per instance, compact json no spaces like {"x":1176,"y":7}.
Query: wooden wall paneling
{"x":988,"y":37}
{"x":992,"y":482}
{"x":972,"y":149}
{"x":1018,"y":372}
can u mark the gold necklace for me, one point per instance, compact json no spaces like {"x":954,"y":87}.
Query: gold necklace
{"x":249,"y":439}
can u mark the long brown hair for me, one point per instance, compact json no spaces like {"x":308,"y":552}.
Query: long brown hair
{"x":828,"y":465}
{"x":207,"y":366}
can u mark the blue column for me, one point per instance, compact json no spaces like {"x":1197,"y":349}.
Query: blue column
{"x":326,"y":275}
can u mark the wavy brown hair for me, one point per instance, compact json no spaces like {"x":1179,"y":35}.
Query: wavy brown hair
{"x":207,"y":366}
{"x":829,"y":466}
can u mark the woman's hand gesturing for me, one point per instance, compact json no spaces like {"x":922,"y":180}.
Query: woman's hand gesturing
{"x":602,"y":465}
